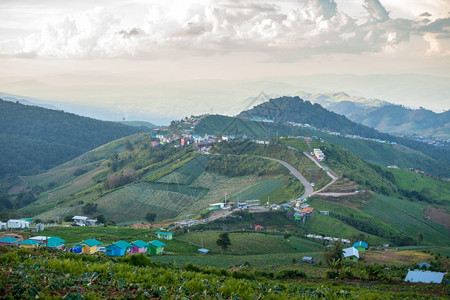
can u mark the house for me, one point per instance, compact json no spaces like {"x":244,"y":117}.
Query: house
{"x":203,"y":251}
{"x":119,"y":248}
{"x":9,"y":241}
{"x":318,"y":154}
{"x":424,"y":265}
{"x":156,"y":247}
{"x":216,"y":206}
{"x":308,"y":259}
{"x":79,"y":220}
{"x":28,"y":244}
{"x":3,"y":225}
{"x":164,"y":235}
{"x":259,"y":227}
{"x":424,"y":276}
{"x":361,"y":246}
{"x":351,"y":254}
{"x":90,"y":246}
{"x":139,"y":247}
{"x":324,"y":212}
{"x":18,"y":224}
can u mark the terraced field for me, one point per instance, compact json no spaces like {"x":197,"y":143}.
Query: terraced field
{"x":140,"y":199}
{"x":258,"y":190}
{"x":408,"y":217}
{"x":187,"y":173}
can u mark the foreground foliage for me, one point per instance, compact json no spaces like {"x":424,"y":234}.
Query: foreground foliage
{"x":46,"y":273}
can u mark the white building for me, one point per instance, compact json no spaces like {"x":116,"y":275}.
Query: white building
{"x":18,"y":224}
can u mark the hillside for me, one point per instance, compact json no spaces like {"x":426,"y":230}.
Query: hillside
{"x":380,"y":153}
{"x":34,"y":139}
{"x":384,"y":116}
{"x":171,"y":182}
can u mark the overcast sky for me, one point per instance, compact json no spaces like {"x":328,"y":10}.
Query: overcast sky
{"x":93,"y":42}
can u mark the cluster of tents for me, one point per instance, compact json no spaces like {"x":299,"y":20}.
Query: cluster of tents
{"x":90,"y":246}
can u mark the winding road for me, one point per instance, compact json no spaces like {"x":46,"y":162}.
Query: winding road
{"x":308,"y":188}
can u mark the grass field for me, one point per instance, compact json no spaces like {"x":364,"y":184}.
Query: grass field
{"x":327,"y":225}
{"x":408,"y":217}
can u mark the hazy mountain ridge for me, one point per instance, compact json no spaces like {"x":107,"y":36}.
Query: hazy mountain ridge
{"x":384,"y":116}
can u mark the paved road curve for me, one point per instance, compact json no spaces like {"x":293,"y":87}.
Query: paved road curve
{"x":306,"y":184}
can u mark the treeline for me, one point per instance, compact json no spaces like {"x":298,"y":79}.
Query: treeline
{"x":34,"y":138}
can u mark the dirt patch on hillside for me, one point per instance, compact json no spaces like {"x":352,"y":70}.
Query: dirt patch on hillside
{"x":437,"y":215}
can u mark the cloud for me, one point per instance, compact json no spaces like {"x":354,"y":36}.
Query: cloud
{"x":174,"y":28}
{"x":377,"y":12}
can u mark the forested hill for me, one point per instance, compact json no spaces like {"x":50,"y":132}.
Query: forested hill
{"x":294,"y":109}
{"x":34,"y":138}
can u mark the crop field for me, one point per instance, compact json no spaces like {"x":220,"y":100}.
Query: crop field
{"x":242,"y":243}
{"x":187,"y":173}
{"x":302,"y":145}
{"x":178,"y":188}
{"x":267,"y":261}
{"x":141,"y":199}
{"x":257,"y":190}
{"x":408,"y":217}
{"x":220,"y":187}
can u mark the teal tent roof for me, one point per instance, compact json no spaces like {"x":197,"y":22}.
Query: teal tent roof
{"x":140,"y":244}
{"x":91,"y":242}
{"x":29,"y":242}
{"x":54,"y":243}
{"x":56,"y":239}
{"x":157,"y":244}
{"x":121,"y":245}
{"x":361,"y":244}
{"x":8,"y":240}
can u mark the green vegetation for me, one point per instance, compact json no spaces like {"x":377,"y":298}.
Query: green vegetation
{"x":433,"y":162}
{"x":35,"y":139}
{"x":47,"y":273}
{"x":409,"y":218}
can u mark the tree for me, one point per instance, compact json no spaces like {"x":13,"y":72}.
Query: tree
{"x":101,"y":219}
{"x":419,"y":237}
{"x":333,"y":254}
{"x":128,"y":146}
{"x":151,"y":217}
{"x":223,"y":241}
{"x":68,"y":218}
{"x":90,"y":208}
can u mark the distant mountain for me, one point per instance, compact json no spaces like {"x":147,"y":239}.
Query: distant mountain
{"x":25,"y":100}
{"x":33,"y":138}
{"x":384,"y":116}
{"x":399,"y":120}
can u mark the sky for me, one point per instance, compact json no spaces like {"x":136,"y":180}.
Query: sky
{"x":127,"y":54}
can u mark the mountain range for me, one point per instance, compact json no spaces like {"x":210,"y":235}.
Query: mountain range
{"x":384,"y":116}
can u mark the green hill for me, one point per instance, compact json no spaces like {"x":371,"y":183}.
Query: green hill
{"x":380,"y":153}
{"x":34,"y":139}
